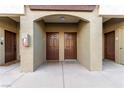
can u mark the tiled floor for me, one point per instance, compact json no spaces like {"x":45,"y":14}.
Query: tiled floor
{"x":66,"y":74}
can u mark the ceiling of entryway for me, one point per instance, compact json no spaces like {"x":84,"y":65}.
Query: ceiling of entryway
{"x":17,"y":19}
{"x":61,"y":19}
{"x":105,"y":19}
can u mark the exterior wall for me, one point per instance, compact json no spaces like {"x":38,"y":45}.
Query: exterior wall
{"x":10,"y":25}
{"x":90,"y":54}
{"x":84,"y":44}
{"x":61,"y":28}
{"x":39,"y":42}
{"x":95,"y":56}
{"x":96,"y":42}
{"x":27,"y":59}
{"x":117,"y":27}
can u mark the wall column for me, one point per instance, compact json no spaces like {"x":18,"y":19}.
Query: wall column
{"x":96,"y":43}
{"x":26,"y":25}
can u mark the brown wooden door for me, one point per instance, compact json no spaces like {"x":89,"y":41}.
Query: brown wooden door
{"x":70,"y":45}
{"x":10,"y":46}
{"x":110,"y":45}
{"x":52,"y":46}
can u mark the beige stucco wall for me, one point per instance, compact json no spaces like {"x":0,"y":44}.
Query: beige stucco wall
{"x":118,"y":28}
{"x":26,"y":22}
{"x":10,"y":25}
{"x":27,"y":60}
{"x":84,"y":44}
{"x":96,"y":42}
{"x":39,"y":41}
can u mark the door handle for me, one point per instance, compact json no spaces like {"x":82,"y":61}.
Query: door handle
{"x":121,"y":48}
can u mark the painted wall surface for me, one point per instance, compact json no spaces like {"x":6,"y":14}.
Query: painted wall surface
{"x":10,"y":25}
{"x":118,"y":28}
{"x":96,"y":42}
{"x":84,"y":44}
{"x":27,"y":56}
{"x":39,"y":42}
{"x":26,"y":22}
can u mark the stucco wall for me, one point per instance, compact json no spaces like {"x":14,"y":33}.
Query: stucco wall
{"x":118,"y":28}
{"x":10,"y":25}
{"x":84,"y":43}
{"x":96,"y":42}
{"x":27,"y":58}
{"x":39,"y":41}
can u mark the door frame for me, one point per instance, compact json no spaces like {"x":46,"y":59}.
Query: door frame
{"x":76,"y":46}
{"x":15,"y":45}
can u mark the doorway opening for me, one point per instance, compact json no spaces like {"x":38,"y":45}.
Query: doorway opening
{"x":10,"y":47}
{"x":9,"y":41}
{"x":109,"y":45}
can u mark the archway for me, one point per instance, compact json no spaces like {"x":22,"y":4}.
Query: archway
{"x":61,"y":37}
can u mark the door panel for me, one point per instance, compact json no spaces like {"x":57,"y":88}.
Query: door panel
{"x":10,"y":46}
{"x":110,"y":45}
{"x":52,"y":46}
{"x":70,"y":45}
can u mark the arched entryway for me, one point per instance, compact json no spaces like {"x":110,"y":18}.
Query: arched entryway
{"x":60,"y":38}
{"x":83,"y":31}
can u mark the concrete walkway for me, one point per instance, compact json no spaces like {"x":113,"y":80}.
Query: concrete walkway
{"x":66,"y":74}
